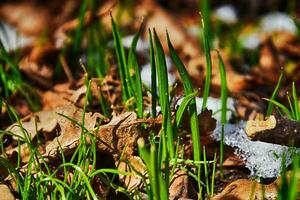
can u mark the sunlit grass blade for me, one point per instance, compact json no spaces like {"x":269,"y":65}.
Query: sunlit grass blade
{"x":274,"y":94}
{"x":293,"y":186}
{"x":296,"y":102}
{"x":208,"y":68}
{"x":155,"y":171}
{"x":282,"y":107}
{"x":223,"y":107}
{"x":151,"y":163}
{"x":205,"y":11}
{"x":135,"y":73}
{"x":213,"y":175}
{"x":153,"y":76}
{"x":120,"y":52}
{"x":188,"y":89}
{"x":183,"y":107}
{"x":291,"y":105}
{"x":162,"y":73}
{"x":206,"y":172}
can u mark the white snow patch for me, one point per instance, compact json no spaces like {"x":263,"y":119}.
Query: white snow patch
{"x":213,"y":104}
{"x":146,"y":73}
{"x":277,"y":21}
{"x":141,"y":46}
{"x":227,"y":14}
{"x":262,"y":159}
{"x":250,"y":41}
{"x":11,"y":39}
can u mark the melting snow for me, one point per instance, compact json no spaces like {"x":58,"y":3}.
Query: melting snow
{"x":213,"y":104}
{"x":277,"y":21}
{"x":11,"y":39}
{"x":262,"y":159}
{"x":226,"y":14}
{"x":146,"y":73}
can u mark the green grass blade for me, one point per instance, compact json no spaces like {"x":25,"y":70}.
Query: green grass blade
{"x":188,"y":89}
{"x":153,"y":76}
{"x":205,"y":11}
{"x":291,"y":106}
{"x":274,"y":94}
{"x":206,"y":172}
{"x":83,"y":176}
{"x":120,"y":52}
{"x":296,"y":102}
{"x":164,"y":93}
{"x":213,"y":176}
{"x":135,"y":77}
{"x":282,"y":107}
{"x":208,"y":70}
{"x":153,"y":172}
{"x":183,"y":106}
{"x":293,"y":189}
{"x":223,"y":107}
{"x":223,"y":89}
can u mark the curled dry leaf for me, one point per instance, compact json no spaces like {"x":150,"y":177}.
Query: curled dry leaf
{"x":279,"y":130}
{"x":69,"y":135}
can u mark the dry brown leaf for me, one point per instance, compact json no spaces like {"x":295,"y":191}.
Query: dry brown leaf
{"x":28,"y":18}
{"x":181,"y":187}
{"x":35,"y":18}
{"x":58,"y":96}
{"x":233,"y":161}
{"x":39,"y":64}
{"x":44,"y":121}
{"x":5,"y":192}
{"x":120,"y":134}
{"x":132,"y":164}
{"x":241,"y":190}
{"x":52,"y":122}
{"x":69,"y":134}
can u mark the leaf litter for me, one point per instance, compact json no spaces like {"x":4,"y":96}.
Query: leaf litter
{"x":62,"y":101}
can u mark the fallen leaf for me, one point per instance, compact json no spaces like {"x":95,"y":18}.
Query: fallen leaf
{"x":241,"y":189}
{"x":5,"y":192}
{"x":181,"y":187}
{"x":133,"y":165}
{"x":69,"y":135}
{"x":39,"y":64}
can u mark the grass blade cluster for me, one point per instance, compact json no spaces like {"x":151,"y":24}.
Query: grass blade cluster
{"x":208,"y":70}
{"x":188,"y":89}
{"x":129,"y":71}
{"x":223,"y":107}
{"x":162,"y":75}
{"x":274,"y":94}
{"x":153,"y":76}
